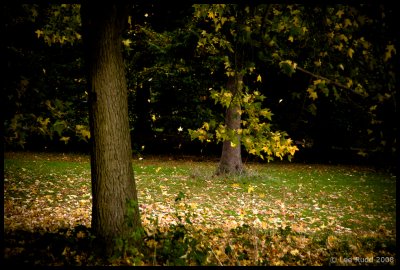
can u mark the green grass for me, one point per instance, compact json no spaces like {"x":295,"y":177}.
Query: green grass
{"x":353,"y":203}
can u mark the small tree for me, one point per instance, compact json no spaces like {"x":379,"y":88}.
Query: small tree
{"x":329,"y":44}
{"x":229,"y":34}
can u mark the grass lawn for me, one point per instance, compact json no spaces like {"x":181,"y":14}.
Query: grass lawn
{"x":276,"y":214}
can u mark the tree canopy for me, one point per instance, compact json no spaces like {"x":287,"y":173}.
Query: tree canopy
{"x":309,"y":70}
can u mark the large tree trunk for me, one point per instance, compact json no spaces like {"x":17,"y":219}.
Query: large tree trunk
{"x":113,"y":183}
{"x":231,"y":158}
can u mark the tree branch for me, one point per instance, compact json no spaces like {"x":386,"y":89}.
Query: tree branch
{"x":328,"y":80}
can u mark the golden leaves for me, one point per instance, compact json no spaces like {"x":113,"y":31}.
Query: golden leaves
{"x":246,"y":224}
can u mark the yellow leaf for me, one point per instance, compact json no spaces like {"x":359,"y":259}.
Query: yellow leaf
{"x":80,"y":234}
{"x":151,"y":243}
{"x":85,"y":133}
{"x":343,"y":37}
{"x":350,"y":52}
{"x":339,"y":47}
{"x":250,"y":189}
{"x":312,"y":94}
{"x":259,"y":78}
{"x":349,"y":83}
{"x":331,"y":241}
{"x":65,"y":139}
{"x":340,"y":13}
{"x":290,"y":38}
{"x":347,"y":22}
{"x":294,"y":252}
{"x":293,"y":149}
{"x":362,"y":153}
{"x":127,"y":42}
{"x":328,"y":21}
{"x":390,"y":49}
{"x":39,"y":33}
{"x":230,"y":73}
{"x":193,"y":205}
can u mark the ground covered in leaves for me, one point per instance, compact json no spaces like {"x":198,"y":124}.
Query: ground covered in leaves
{"x":276,"y":214}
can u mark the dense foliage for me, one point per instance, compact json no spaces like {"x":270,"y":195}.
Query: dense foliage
{"x":327,"y":73}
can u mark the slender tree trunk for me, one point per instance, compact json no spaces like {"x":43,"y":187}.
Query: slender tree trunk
{"x":231,"y":158}
{"x":113,"y":183}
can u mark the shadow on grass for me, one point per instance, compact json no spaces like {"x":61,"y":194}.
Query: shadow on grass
{"x":177,"y":246}
{"x":62,"y":248}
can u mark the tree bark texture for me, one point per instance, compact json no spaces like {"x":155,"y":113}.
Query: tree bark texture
{"x":113,"y":183}
{"x":231,"y":158}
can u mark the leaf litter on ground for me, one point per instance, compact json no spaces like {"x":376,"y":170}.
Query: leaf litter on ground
{"x":275,"y":214}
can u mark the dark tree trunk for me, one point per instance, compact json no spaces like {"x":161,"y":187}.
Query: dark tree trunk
{"x":231,"y":158}
{"x":113,"y":183}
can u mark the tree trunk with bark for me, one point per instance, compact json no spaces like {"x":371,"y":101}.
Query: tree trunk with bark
{"x":231,"y":158}
{"x":115,"y":210}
